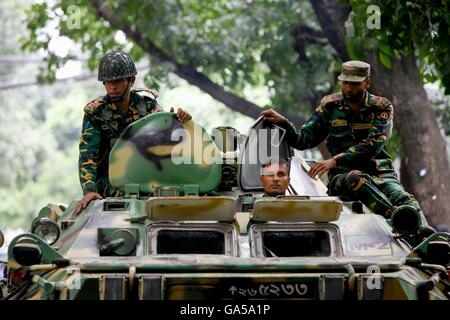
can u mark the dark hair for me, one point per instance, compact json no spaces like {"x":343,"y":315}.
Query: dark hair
{"x":279,"y":161}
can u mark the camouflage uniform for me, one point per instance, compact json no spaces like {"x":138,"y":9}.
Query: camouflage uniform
{"x":356,"y":139}
{"x":103,"y":123}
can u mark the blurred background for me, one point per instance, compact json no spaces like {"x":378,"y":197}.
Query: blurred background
{"x":223,"y":61}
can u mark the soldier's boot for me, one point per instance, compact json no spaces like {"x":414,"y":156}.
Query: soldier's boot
{"x":399,"y":197}
{"x":409,"y":220}
{"x":356,"y":185}
{"x":406,"y":220}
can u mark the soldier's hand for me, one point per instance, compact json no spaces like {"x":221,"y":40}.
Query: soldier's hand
{"x":88,"y":197}
{"x":320,"y":167}
{"x":272,"y":116}
{"x":182,"y":115}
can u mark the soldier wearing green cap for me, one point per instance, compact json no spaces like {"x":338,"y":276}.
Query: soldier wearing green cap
{"x":106,"y":117}
{"x":356,"y":125}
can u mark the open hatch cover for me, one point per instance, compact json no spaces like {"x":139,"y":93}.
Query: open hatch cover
{"x":292,"y":209}
{"x":191,"y":209}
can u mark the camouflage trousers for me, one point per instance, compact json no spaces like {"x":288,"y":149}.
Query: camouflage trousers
{"x":106,"y":190}
{"x":381,"y":194}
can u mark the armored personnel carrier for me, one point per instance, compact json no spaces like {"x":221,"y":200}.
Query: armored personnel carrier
{"x":192,"y":224}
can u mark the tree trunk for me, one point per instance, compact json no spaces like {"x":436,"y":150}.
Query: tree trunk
{"x":331,"y":16}
{"x":427,"y":170}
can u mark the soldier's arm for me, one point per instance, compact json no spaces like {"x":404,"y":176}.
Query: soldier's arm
{"x":311,"y":134}
{"x":89,"y":154}
{"x":375,"y":141}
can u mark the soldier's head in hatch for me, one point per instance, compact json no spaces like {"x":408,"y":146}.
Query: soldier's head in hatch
{"x":275,"y":177}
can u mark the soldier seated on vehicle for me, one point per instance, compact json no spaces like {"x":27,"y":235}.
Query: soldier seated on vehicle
{"x":105,"y":118}
{"x":275,"y":177}
{"x":356,"y":125}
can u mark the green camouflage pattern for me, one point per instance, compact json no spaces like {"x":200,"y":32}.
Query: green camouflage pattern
{"x":380,"y":194}
{"x":357,"y":141}
{"x":145,"y":154}
{"x":103,"y":122}
{"x":114,"y":248}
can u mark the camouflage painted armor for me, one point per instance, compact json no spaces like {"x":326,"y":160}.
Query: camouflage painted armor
{"x":103,"y":123}
{"x":356,"y":140}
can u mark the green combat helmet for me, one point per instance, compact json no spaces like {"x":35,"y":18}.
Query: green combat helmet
{"x":115,"y":66}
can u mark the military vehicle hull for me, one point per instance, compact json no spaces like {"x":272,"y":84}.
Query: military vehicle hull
{"x":169,"y":240}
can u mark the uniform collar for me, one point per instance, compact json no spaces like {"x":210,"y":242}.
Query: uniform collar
{"x":366,"y":101}
{"x":133,"y":101}
{"x":134,"y":98}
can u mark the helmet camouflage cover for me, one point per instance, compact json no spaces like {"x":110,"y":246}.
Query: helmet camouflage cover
{"x":116,"y":65}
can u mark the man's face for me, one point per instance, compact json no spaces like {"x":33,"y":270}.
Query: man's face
{"x":275,"y":179}
{"x":353,"y":92}
{"x":116,"y":88}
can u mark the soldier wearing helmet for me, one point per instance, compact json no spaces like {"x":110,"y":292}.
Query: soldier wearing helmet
{"x":106,"y":117}
{"x":356,"y":125}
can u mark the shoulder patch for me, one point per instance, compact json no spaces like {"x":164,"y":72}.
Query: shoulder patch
{"x":385,"y":114}
{"x":145,"y":92}
{"x":331,"y":98}
{"x":92,"y":106}
{"x":380,"y":102}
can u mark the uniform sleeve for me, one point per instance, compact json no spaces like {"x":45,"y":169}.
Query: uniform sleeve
{"x":311,"y":134}
{"x":375,"y":141}
{"x":89,"y":153}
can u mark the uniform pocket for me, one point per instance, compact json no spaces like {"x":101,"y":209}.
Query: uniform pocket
{"x":340,"y":131}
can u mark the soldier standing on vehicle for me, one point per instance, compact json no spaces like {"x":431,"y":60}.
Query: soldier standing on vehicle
{"x":356,"y":125}
{"x":105,"y":118}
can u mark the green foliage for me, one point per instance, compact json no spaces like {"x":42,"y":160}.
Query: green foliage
{"x":39,"y":133}
{"x":385,"y":60}
{"x":238,"y":44}
{"x":416,"y":26}
{"x":394,"y":145}
{"x":39,"y":154}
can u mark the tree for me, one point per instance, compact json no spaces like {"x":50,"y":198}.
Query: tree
{"x":172,"y":49}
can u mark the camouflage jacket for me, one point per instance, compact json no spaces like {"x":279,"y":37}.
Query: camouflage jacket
{"x":103,"y":122}
{"x":356,"y":139}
